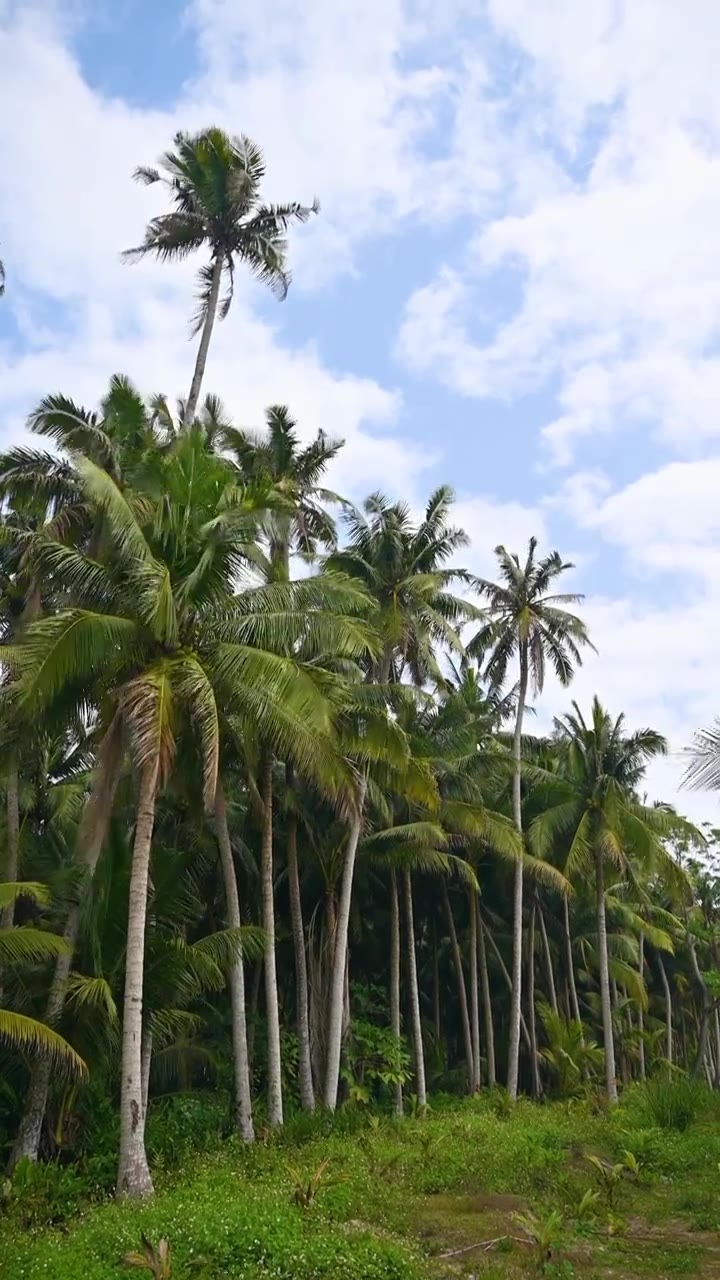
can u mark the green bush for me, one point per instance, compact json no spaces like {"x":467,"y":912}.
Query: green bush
{"x":673,"y":1102}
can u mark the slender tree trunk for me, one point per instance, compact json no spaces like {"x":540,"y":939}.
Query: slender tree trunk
{"x":339,"y":958}
{"x":7,"y":915}
{"x":508,"y":982}
{"x":145,"y":1065}
{"x":395,"y":981}
{"x":516,"y":994}
{"x":641,"y":1015}
{"x":532,"y":1022}
{"x":133,"y":1178}
{"x":257,"y":982}
{"x":487,"y":1003}
{"x":236,"y":978}
{"x":474,"y":997}
{"x":437,"y":1022}
{"x":201,"y":359}
{"x":668,"y":1010}
{"x":272,"y":1012}
{"x":420,"y":1088}
{"x":462,"y":993}
{"x":91,"y":837}
{"x":552,"y":990}
{"x":608,"y":1041}
{"x":305,"y":1079}
{"x":575,"y":1003}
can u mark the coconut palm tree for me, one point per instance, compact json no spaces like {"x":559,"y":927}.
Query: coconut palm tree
{"x":596,"y":808}
{"x":528,"y":622}
{"x":214,"y":183}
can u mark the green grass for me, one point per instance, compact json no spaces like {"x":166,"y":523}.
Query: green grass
{"x":405,"y":1201}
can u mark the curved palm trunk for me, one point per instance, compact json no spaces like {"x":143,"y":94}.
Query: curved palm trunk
{"x":272,"y":1011}
{"x":516,"y":993}
{"x":487,"y":1003}
{"x":395,"y":981}
{"x":91,"y":838}
{"x":462,"y":993}
{"x":133,"y":1178}
{"x":201,"y":358}
{"x":339,"y":956}
{"x":236,"y":978}
{"x":7,"y":915}
{"x":474,"y":997}
{"x":532,"y":1022}
{"x":608,"y":1040}
{"x":420,"y":1088}
{"x":305,"y":1078}
{"x":552,"y":990}
{"x":668,"y":1011}
{"x":574,"y":1002}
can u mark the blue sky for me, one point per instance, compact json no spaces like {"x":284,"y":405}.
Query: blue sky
{"x":513,"y":285}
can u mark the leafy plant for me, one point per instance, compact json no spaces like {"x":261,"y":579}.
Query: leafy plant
{"x":305,"y":1190}
{"x":586,"y":1205}
{"x":150,"y":1258}
{"x":673,"y":1102}
{"x":611,"y":1175}
{"x":544,"y":1235}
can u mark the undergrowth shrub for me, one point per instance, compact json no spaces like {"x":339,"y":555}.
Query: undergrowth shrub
{"x":673,"y":1102}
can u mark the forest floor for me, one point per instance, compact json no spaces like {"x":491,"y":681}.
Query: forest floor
{"x":473,"y":1189}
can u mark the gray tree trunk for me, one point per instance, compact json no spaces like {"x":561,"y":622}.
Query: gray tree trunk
{"x":272,"y":1011}
{"x":462,"y":993}
{"x":236,"y":978}
{"x":339,"y":956}
{"x":133,"y":1178}
{"x":395,"y":981}
{"x":552,"y":990}
{"x":418,"y":1047}
{"x":305,"y":1078}
{"x":487,"y":1004}
{"x":474,"y":995}
{"x":532,"y":1020}
{"x":641,"y":1016}
{"x":508,"y":983}
{"x":575,"y":1003}
{"x":91,"y":838}
{"x":516,"y":993}
{"x":146,"y":1063}
{"x":668,"y":1011}
{"x":7,"y":915}
{"x":202,"y":355}
{"x":608,"y":1040}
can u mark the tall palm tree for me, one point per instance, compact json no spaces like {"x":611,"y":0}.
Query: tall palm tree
{"x":596,"y":808}
{"x":214,"y":182}
{"x":527,"y":622}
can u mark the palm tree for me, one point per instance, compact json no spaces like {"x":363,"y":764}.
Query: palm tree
{"x":525,"y":620}
{"x":214,"y":182}
{"x":597,"y":810}
{"x":160,"y":634}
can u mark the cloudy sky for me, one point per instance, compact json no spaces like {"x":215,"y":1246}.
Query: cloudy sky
{"x":513,"y":286}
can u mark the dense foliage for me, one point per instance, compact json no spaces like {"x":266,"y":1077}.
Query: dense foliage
{"x":275,"y":830}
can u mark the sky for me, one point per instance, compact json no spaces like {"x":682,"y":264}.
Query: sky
{"x":513,"y":285}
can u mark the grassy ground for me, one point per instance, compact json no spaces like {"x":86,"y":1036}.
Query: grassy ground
{"x":459,"y":1193}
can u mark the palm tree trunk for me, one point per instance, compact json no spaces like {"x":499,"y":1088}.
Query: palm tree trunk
{"x":7,"y":915}
{"x":272,"y":1012}
{"x":508,"y":982}
{"x":395,"y":981}
{"x":532,"y":1023}
{"x":487,"y":1003}
{"x":474,"y":996}
{"x":236,"y":978}
{"x":133,"y":1178}
{"x":574,"y":1002}
{"x":437,"y":1022}
{"x":552,"y":990}
{"x":462,"y":993}
{"x":339,"y":956}
{"x":420,"y":1088}
{"x":145,"y":1065}
{"x":668,"y":1010}
{"x":516,"y":994}
{"x":91,"y":838}
{"x":641,"y":1015}
{"x":608,"y":1041}
{"x":305,"y":1079}
{"x":201,"y":358}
